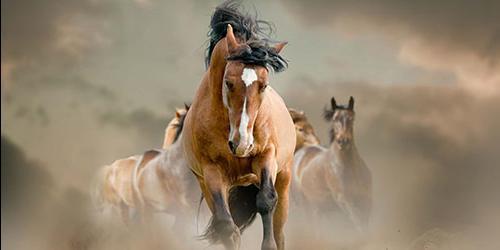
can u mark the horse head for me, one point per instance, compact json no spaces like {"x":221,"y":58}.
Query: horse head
{"x":244,"y":86}
{"x":342,"y":123}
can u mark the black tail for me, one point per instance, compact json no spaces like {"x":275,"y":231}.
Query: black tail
{"x":243,"y":207}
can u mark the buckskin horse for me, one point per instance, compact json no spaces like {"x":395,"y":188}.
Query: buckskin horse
{"x":238,"y":135}
{"x":121,"y":188}
{"x":335,"y":177}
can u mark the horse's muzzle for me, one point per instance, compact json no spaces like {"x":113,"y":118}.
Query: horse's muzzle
{"x":239,"y":150}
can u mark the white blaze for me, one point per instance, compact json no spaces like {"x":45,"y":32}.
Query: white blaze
{"x":244,"y":122}
{"x":246,"y":138}
{"x":248,"y":76}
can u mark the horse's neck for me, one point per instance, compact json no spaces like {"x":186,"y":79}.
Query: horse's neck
{"x":173,"y":155}
{"x":216,"y":73}
{"x":170,"y":132}
{"x":345,"y":158}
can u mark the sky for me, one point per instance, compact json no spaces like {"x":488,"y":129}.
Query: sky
{"x":86,"y":82}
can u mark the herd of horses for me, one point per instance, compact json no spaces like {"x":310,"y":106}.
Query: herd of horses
{"x":240,"y":148}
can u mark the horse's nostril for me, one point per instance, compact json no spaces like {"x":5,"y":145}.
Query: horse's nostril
{"x":231,"y":146}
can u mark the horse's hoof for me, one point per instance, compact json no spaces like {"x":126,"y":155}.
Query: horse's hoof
{"x":269,"y":246}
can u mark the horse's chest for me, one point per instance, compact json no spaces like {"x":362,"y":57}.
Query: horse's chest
{"x":236,"y":167}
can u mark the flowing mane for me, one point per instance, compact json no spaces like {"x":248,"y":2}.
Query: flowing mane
{"x":251,"y":31}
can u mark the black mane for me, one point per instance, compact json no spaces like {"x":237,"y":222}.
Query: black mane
{"x":255,"y":33}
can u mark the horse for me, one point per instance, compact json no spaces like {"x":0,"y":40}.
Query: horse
{"x":305,"y":135}
{"x":114,"y":188}
{"x":336,"y":177}
{"x":238,"y":135}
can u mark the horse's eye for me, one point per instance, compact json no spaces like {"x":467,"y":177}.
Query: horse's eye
{"x":262,"y":88}
{"x":229,"y":85}
{"x":301,"y":129}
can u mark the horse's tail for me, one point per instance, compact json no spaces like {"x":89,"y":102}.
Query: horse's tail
{"x":243,"y":208}
{"x":198,"y":212}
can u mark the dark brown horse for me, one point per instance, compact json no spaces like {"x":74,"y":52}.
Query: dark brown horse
{"x":335,"y":177}
{"x":239,"y":137}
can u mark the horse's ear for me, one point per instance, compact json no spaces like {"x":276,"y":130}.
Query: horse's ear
{"x":351,"y":103}
{"x":279,"y":46}
{"x":232,"y":44}
{"x":334,"y":103}
{"x":177,"y":113}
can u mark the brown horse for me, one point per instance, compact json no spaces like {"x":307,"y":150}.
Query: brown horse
{"x":114,"y":191}
{"x":335,"y":177}
{"x":304,"y":131}
{"x":239,"y":137}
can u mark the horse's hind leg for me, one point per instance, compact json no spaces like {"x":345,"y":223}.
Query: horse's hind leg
{"x":281,"y":212}
{"x":124,"y":213}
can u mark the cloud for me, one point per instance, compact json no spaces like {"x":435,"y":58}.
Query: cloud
{"x":145,"y":122}
{"x":25,"y":182}
{"x":50,"y":28}
{"x":461,"y":37}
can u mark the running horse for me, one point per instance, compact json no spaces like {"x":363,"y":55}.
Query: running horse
{"x":155,"y":181}
{"x":336,"y":177}
{"x":238,"y":135}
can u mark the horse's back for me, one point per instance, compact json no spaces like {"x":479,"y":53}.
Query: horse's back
{"x":311,"y":163}
{"x":303,"y":158}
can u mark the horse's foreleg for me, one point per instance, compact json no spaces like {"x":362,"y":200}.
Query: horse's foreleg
{"x":267,"y":196}
{"x":266,"y":202}
{"x":281,"y":212}
{"x":222,"y":227}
